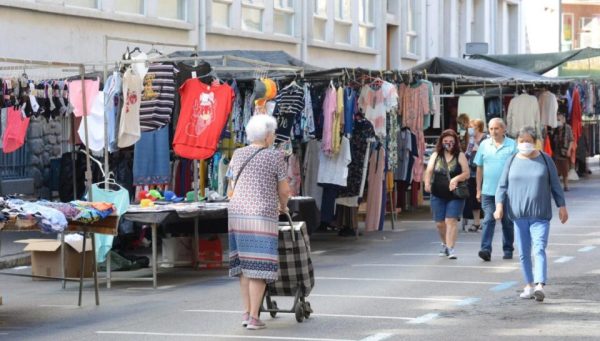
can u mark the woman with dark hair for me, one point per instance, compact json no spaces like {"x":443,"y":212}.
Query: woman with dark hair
{"x":447,"y":168}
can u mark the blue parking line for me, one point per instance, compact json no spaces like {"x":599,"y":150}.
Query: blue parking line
{"x":468,"y":301}
{"x":503,"y":286}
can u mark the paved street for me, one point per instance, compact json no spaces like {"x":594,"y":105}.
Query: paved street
{"x":385,"y":286}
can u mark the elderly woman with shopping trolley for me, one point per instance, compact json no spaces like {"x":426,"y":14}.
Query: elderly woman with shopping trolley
{"x":258,"y":192}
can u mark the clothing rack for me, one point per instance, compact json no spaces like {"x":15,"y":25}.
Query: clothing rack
{"x":88,"y":173}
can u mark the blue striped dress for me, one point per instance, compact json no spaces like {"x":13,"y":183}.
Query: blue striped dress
{"x":253,"y":213}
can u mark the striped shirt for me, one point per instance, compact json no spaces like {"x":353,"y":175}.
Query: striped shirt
{"x":158,"y":97}
{"x":289,"y":105}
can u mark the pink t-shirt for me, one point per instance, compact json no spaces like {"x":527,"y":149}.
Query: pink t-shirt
{"x":76,"y":95}
{"x":16,"y":129}
{"x":329,"y":107}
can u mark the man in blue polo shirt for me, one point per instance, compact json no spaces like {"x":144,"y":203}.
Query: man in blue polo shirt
{"x":491,"y":157}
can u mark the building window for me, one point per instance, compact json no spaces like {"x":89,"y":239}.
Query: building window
{"x":283,"y":17}
{"x":343,"y":22}
{"x":172,"y":9}
{"x":220,"y":13}
{"x":130,"y":6}
{"x":319,"y":20}
{"x":343,"y":10}
{"x":366,"y":28}
{"x":82,"y":3}
{"x":567,"y":31}
{"x":252,"y":15}
{"x":412,"y":23}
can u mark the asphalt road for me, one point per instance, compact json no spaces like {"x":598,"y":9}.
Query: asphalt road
{"x":384,"y":286}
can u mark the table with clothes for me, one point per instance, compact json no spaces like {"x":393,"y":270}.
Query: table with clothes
{"x":181,"y":217}
{"x":17,"y":215}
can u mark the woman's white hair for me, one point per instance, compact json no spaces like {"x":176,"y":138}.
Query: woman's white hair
{"x":260,"y":126}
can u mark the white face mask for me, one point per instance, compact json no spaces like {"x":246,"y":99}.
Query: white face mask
{"x":525,"y":148}
{"x":471,"y":131}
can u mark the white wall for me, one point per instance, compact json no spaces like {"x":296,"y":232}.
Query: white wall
{"x":542,"y":21}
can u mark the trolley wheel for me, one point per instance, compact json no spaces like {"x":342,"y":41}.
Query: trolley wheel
{"x":307,"y":309}
{"x":299,"y":313}
{"x":273,"y":306}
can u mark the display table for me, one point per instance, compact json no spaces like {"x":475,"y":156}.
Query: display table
{"x":105,"y":226}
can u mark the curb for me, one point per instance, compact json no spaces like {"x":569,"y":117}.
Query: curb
{"x":17,"y":259}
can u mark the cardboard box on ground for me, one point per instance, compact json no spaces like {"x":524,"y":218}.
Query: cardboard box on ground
{"x":178,"y":251}
{"x":45,"y":257}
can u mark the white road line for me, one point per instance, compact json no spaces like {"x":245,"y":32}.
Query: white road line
{"x":318,"y":252}
{"x":163,"y":287}
{"x":373,"y":317}
{"x":592,"y":234}
{"x":459,"y":242}
{"x":424,"y":319}
{"x":215,"y":336}
{"x":402,"y":280}
{"x":378,"y":337}
{"x":438,"y":266}
{"x":587,"y":248}
{"x":64,"y":306}
{"x":474,"y":255}
{"x":21,"y":267}
{"x":568,"y":244}
{"x":433,"y":299}
{"x":564,"y":259}
{"x":415,"y":221}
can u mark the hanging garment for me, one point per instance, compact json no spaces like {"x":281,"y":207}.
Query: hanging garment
{"x":308,"y":118}
{"x":95,"y":125}
{"x":349,"y":109}
{"x":129,"y":122}
{"x":204,"y":113}
{"x":362,"y":132}
{"x":375,"y":189}
{"x":472,"y":104}
{"x":329,"y":108}
{"x":576,"y":124}
{"x":120,"y":199}
{"x":112,"y":102}
{"x":334,"y":169}
{"x":548,"y":109}
{"x":494,"y":109}
{"x":392,"y":140}
{"x":76,"y":89}
{"x":338,"y":117}
{"x":222,"y":174}
{"x":436,"y":110}
{"x":294,"y":177}
{"x":289,"y":104}
{"x":523,"y":111}
{"x":310,"y":168}
{"x":3,"y":121}
{"x":415,"y":105}
{"x":317,"y":96}
{"x":16,"y":130}
{"x":151,"y":165}
{"x":375,"y":103}
{"x":158,"y":97}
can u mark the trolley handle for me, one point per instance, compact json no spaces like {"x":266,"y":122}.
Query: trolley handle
{"x":289,"y":217}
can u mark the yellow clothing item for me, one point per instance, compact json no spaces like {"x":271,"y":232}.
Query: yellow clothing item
{"x":337,"y":122}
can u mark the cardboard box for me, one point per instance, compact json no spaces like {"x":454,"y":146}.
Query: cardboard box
{"x":45,"y":257}
{"x":177,"y":251}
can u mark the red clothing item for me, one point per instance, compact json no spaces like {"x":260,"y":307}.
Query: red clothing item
{"x":16,"y":129}
{"x":204,"y":113}
{"x":576,"y":116}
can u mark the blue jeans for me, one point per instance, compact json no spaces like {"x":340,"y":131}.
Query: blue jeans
{"x":533,"y":233}
{"x":488,"y":204}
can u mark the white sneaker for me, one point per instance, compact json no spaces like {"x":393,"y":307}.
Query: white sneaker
{"x":451,"y":253}
{"x":538,"y":293}
{"x":527,"y":293}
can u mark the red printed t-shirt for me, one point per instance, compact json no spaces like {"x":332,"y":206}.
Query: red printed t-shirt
{"x":204,"y":113}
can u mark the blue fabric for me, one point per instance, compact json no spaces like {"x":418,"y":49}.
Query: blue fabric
{"x":151,"y":162}
{"x":349,"y":109}
{"x":494,"y":109}
{"x":443,"y":208}
{"x":532,"y":236}
{"x":112,"y":91}
{"x":492,"y":160}
{"x":488,"y":204}
{"x":527,"y":186}
{"x":118,"y":198}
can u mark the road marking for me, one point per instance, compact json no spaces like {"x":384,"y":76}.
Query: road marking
{"x":318,"y":252}
{"x":403,"y":280}
{"x":215,"y":336}
{"x":503,"y":286}
{"x":378,"y":337}
{"x":459,"y":242}
{"x":433,"y":299}
{"x":424,"y":319}
{"x":64,"y":306}
{"x":564,"y":259}
{"x":438,"y":266}
{"x":437,"y":255}
{"x":568,"y":244}
{"x":587,"y":248}
{"x":21,"y":267}
{"x":468,"y":301}
{"x":314,"y":314}
{"x":163,"y":287}
{"x":415,"y":221}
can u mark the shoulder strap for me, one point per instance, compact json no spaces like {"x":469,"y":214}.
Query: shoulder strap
{"x":547,"y":167}
{"x":244,"y":165}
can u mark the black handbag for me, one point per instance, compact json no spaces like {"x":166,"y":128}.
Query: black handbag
{"x":462,"y":188}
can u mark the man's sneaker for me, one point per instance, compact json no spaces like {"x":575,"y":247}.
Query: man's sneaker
{"x":507,"y":255}
{"x":245,"y":319}
{"x":538,"y":293}
{"x":485,"y":255}
{"x":444,"y":251}
{"x":255,"y":324}
{"x":451,"y":253}
{"x":527,"y":293}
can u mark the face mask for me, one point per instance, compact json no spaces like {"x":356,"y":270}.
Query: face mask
{"x":448,"y":146}
{"x":471,"y":131}
{"x":526,"y":148}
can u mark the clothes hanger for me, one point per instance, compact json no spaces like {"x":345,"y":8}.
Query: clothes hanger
{"x":154,"y":51}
